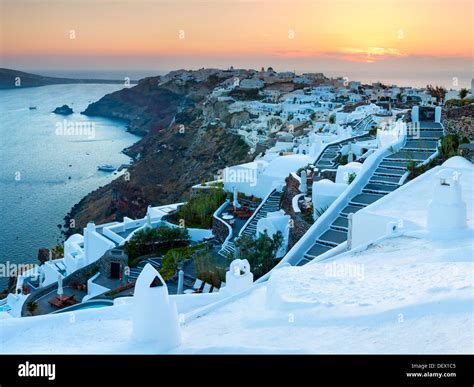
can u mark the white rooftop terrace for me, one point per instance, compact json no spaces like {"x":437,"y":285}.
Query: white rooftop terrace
{"x":409,"y":203}
{"x":410,"y":293}
{"x":391,"y":298}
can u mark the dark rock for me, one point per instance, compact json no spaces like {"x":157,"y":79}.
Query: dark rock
{"x":64,"y":110}
{"x":43,"y":255}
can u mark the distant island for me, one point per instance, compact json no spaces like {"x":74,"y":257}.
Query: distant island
{"x":15,"y":79}
{"x":63,"y":110}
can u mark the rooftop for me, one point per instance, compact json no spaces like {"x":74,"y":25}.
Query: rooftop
{"x":390,"y":298}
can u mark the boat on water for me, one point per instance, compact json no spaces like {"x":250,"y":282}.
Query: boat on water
{"x":106,"y":168}
{"x":32,"y":107}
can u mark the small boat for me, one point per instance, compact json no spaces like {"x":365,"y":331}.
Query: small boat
{"x":32,"y":107}
{"x":106,"y":168}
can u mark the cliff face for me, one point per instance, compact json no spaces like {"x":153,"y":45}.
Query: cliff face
{"x":178,"y":149}
{"x":143,"y":107}
{"x":459,"y":119}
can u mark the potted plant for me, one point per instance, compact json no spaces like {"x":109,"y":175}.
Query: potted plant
{"x":31,"y":307}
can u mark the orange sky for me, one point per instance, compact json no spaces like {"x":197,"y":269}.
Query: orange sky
{"x":365,"y":31}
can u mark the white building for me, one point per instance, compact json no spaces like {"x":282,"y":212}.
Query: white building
{"x":382,"y":297}
{"x":251,"y":83}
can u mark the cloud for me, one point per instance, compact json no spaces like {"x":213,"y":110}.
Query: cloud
{"x":369,"y":54}
{"x":353,"y":54}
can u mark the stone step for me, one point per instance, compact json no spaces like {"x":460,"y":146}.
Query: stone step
{"x":421,"y":144}
{"x":303,"y":261}
{"x":365,"y":198}
{"x":324,"y":163}
{"x":394,"y":164}
{"x":316,"y":249}
{"x":341,"y":222}
{"x":379,"y":187}
{"x":409,"y":155}
{"x":384,"y":179}
{"x":388,"y":172}
{"x":426,"y":134}
{"x":430,"y":125}
{"x":351,"y":208}
{"x":333,"y":237}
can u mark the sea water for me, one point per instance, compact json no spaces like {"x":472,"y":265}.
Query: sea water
{"x":48,"y":162}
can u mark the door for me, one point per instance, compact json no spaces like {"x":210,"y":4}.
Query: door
{"x":115,"y":270}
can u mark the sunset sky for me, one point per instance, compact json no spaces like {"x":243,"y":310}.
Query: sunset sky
{"x":377,"y":38}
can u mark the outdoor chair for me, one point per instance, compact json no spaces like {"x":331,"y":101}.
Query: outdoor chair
{"x":196,"y":287}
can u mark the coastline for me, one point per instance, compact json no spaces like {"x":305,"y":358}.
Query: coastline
{"x":58,"y":170}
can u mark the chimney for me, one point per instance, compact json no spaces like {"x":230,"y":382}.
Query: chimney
{"x":447,"y":210}
{"x":155,"y":316}
{"x":239,"y":277}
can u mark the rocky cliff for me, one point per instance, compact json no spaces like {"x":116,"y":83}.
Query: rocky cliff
{"x":458,"y":118}
{"x":178,"y":149}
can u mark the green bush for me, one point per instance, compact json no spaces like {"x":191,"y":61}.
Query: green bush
{"x":260,"y":252}
{"x":351,"y":177}
{"x":343,"y":159}
{"x":153,"y":240}
{"x":208,"y":268}
{"x":57,"y":251}
{"x":449,"y":145}
{"x":198,"y":211}
{"x":319,"y":211}
{"x":464,"y":101}
{"x":31,"y":307}
{"x":373,"y":131}
{"x":417,"y":171}
{"x":175,"y":256}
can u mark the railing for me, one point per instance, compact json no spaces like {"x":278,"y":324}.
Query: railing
{"x":216,"y":216}
{"x":426,"y":162}
{"x":326,"y":219}
{"x":336,"y":143}
{"x":255,"y":212}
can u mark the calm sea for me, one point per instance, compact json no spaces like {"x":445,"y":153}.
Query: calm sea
{"x":49,"y":162}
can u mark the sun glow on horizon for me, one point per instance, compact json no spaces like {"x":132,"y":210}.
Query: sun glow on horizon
{"x":365,"y":31}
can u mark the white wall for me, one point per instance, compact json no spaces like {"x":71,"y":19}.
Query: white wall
{"x":96,"y":246}
{"x":325,"y":192}
{"x":94,"y":289}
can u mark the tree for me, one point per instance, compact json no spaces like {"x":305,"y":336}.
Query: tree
{"x":151,"y":240}
{"x":437,"y":92}
{"x":208,"y":268}
{"x":260,"y":252}
{"x":463,"y":93}
{"x":332,"y":119}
